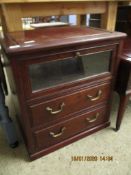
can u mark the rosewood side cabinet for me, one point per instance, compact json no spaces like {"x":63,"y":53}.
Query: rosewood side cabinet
{"x":62,"y":80}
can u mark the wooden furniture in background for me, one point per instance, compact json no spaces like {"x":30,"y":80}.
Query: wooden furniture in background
{"x":123,"y":83}
{"x":123,"y":20}
{"x":12,"y":22}
{"x":71,"y":98}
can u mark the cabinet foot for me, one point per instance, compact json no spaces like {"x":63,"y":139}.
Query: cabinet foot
{"x":14,"y":145}
{"x":121,"y":110}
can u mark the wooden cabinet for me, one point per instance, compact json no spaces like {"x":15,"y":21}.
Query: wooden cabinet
{"x":64,"y":79}
{"x":123,"y":22}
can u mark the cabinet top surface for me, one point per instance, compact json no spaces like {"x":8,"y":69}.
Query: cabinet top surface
{"x":54,"y":37}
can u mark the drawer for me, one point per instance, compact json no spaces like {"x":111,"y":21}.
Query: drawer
{"x":56,"y":109}
{"x":59,"y":132}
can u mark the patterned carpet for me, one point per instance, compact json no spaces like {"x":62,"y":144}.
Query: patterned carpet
{"x":115,"y":145}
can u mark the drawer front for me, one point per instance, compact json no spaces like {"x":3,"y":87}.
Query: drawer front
{"x":54,"y":110}
{"x":57,"y":133}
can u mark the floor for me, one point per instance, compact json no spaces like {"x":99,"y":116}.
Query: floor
{"x":107,"y":142}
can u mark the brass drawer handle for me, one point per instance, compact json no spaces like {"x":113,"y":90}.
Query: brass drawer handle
{"x":94,"y":118}
{"x":78,"y":54}
{"x":98,"y":96}
{"x":55,"y":112}
{"x":59,"y":134}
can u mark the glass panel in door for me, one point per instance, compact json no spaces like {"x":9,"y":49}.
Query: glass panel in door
{"x":53,"y":73}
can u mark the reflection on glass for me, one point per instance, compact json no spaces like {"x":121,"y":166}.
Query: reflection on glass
{"x":49,"y":74}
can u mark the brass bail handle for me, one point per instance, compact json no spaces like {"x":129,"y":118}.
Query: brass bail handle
{"x":78,"y":54}
{"x":59,"y":134}
{"x":50,"y":110}
{"x":97,"y":97}
{"x":91,"y":120}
